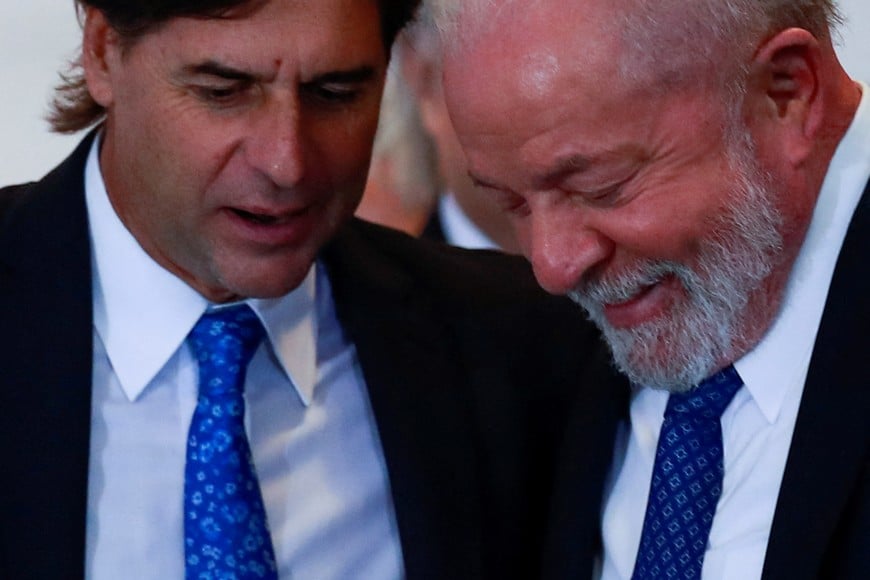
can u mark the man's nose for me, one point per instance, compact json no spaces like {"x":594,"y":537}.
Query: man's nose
{"x":562,"y":248}
{"x":276,"y":146}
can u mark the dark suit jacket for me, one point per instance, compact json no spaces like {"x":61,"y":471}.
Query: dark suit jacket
{"x":470,"y":371}
{"x":821,"y":526}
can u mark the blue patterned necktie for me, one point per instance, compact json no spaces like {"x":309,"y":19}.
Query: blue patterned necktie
{"x":225,"y":529}
{"x":686,"y":482}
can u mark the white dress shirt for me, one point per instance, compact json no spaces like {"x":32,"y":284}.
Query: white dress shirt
{"x":758,"y":425}
{"x":311,"y":428}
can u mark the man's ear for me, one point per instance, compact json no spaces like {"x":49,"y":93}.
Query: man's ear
{"x":100,"y":48}
{"x":784,"y":90}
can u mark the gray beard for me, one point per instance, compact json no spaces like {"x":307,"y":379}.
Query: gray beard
{"x":676,"y":351}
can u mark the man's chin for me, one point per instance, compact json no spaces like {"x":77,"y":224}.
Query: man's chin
{"x":661,"y":354}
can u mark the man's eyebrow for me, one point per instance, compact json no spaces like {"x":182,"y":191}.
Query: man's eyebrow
{"x":216,"y":69}
{"x":213,"y":68}
{"x":564,"y":167}
{"x":577,"y":163}
{"x":568,"y":165}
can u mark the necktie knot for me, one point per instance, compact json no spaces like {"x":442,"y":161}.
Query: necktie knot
{"x":223,"y":342}
{"x":708,"y":400}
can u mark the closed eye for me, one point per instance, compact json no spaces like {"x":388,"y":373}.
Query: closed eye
{"x":607,"y":195}
{"x":221,"y":94}
{"x":339,"y":87}
{"x":506,"y":201}
{"x":331,"y":93}
{"x":603,"y":195}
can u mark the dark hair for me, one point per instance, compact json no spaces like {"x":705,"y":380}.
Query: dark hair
{"x":73,"y":108}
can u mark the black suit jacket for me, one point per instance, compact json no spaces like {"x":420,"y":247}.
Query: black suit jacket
{"x":471,"y":372}
{"x":821,"y":526}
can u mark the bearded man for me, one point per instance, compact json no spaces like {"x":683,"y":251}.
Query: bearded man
{"x":693,"y":173}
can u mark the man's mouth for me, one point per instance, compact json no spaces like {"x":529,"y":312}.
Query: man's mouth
{"x":644,"y":303}
{"x":273,"y":226}
{"x":269,"y":218}
{"x":258,"y":218}
{"x":626,"y":298}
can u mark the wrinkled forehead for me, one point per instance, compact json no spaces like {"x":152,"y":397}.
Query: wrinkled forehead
{"x":137,"y":19}
{"x":284,"y":40}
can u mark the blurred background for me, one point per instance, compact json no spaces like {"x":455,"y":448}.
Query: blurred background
{"x":40,"y":36}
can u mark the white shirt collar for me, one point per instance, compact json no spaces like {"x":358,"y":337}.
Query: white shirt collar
{"x":143,"y":313}
{"x":782,"y":357}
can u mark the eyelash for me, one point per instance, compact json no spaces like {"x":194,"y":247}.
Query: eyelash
{"x":516,"y":205}
{"x":228,"y":96}
{"x":604,"y":193}
{"x":511,"y":203}
{"x":221,"y":95}
{"x":609,"y":195}
{"x":331,"y":96}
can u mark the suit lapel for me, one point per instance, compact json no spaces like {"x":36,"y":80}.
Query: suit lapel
{"x":420,"y":401}
{"x":46,"y":354}
{"x":831,"y":434}
{"x":45,"y":295}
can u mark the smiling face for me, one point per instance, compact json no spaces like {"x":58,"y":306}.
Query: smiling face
{"x":642,"y":206}
{"x":723,"y":298}
{"x":234,"y":148}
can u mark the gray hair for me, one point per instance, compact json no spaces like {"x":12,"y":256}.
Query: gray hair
{"x":678,"y":40}
{"x":669,"y":42}
{"x":422,"y":33}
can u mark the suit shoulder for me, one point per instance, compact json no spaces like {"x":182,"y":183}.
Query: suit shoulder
{"x":451,"y":269}
{"x":493,"y":290}
{"x":11,"y":197}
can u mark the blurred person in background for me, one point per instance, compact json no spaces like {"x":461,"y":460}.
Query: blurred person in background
{"x":403,"y":182}
{"x":413,"y":114}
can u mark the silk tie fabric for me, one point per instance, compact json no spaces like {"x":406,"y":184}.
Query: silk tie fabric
{"x":686,"y":482}
{"x":225,"y":528}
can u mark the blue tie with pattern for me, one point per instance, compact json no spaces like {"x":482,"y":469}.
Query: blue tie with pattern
{"x":225,"y":529}
{"x":686,"y":482}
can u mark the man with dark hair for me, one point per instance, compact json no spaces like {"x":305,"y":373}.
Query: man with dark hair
{"x":210,"y":370}
{"x":74,"y":107}
{"x":693,"y":173}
